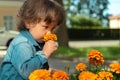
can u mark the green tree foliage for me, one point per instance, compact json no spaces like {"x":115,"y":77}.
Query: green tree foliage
{"x":92,"y":8}
{"x":83,"y":21}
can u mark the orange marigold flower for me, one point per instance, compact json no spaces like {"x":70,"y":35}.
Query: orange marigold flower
{"x":105,"y":75}
{"x":60,"y":75}
{"x":86,"y":75}
{"x":40,"y":74}
{"x":95,"y":57}
{"x":50,"y":36}
{"x":81,"y":67}
{"x":98,"y":78}
{"x":115,"y":67}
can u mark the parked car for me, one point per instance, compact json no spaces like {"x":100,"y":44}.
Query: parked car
{"x":6,"y":37}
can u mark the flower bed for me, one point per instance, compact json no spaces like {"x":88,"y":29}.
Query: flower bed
{"x":95,"y":70}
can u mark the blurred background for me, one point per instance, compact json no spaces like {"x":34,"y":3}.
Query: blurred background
{"x":90,"y":24}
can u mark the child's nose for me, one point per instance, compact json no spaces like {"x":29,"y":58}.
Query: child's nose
{"x":49,"y":32}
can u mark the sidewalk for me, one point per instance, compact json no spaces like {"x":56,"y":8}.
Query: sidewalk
{"x":94,"y":43}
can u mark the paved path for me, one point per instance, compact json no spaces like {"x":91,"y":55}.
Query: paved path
{"x":94,"y":43}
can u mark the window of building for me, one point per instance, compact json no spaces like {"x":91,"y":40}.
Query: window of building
{"x":8,"y":22}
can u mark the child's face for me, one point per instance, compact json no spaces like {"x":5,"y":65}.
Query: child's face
{"x":40,"y":29}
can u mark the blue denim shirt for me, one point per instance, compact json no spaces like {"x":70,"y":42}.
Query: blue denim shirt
{"x":22,"y":58}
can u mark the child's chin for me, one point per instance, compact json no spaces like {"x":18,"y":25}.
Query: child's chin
{"x":42,"y":41}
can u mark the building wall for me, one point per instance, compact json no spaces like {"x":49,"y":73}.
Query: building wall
{"x":9,"y":9}
{"x":115,"y":23}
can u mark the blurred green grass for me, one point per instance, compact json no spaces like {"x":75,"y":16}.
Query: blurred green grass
{"x":109,"y":53}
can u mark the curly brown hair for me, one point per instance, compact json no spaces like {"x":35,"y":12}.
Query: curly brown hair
{"x":33,"y":11}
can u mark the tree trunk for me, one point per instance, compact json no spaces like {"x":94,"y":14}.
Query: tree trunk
{"x":62,"y":32}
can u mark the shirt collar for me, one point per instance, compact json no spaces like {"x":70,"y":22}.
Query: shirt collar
{"x":29,"y":37}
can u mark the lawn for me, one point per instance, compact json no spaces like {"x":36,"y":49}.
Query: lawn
{"x":110,"y":53}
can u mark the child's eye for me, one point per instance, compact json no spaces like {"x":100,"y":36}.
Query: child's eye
{"x":45,"y":27}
